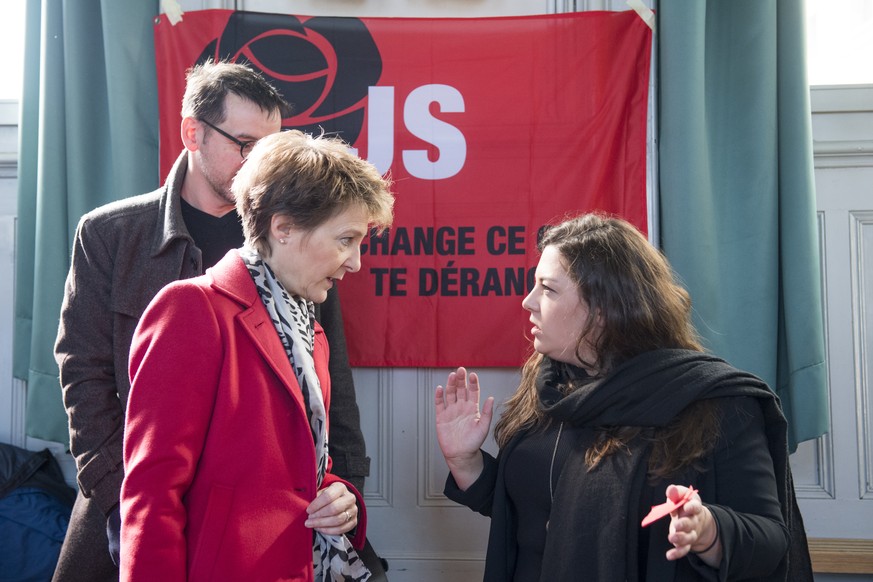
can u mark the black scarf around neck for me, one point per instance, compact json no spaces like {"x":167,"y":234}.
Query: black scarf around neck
{"x":647,"y":391}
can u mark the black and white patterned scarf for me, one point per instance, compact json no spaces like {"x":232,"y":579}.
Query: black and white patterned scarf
{"x":334,"y":558}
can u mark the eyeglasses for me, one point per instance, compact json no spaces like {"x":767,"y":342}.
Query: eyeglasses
{"x":245,"y":147}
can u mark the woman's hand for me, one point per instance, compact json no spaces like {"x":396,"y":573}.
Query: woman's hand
{"x":334,"y":510}
{"x":461,"y":426}
{"x":693,"y":529}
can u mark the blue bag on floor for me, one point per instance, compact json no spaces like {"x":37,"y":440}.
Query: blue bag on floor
{"x":35,"y":506}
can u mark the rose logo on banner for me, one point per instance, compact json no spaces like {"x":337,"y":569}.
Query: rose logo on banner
{"x":323,"y":70}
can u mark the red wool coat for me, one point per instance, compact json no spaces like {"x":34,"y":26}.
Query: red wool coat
{"x":218,"y":453}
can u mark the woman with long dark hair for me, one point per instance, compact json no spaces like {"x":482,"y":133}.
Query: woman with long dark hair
{"x":618,"y":409}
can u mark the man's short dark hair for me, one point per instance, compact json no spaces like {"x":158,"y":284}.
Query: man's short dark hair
{"x":208,"y":85}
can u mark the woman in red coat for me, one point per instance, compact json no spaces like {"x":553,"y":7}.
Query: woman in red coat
{"x":227,"y":473}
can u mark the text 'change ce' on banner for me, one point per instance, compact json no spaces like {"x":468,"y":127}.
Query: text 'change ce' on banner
{"x":490,"y":128}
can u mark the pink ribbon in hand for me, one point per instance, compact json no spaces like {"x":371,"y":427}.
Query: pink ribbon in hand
{"x":659,"y":511}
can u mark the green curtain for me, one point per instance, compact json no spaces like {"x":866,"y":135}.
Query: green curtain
{"x":88,"y":135}
{"x":737,"y":197}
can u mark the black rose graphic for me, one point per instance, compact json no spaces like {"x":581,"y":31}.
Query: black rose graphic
{"x":323,"y":66}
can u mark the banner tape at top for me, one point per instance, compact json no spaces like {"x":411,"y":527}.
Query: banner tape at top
{"x":173,"y":11}
{"x":644,"y":11}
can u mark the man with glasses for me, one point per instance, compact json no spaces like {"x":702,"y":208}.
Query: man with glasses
{"x":123,"y":254}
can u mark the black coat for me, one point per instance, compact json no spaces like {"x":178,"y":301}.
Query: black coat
{"x":595,"y":522}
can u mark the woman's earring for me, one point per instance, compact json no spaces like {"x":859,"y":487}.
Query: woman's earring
{"x":281,"y":241}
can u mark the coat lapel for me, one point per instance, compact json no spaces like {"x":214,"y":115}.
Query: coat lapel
{"x":231,"y":277}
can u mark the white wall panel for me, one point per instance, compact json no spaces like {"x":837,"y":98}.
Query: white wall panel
{"x":861,"y":241}
{"x":833,"y":473}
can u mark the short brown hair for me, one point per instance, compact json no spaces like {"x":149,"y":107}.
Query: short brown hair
{"x":209,"y":83}
{"x":309,"y":179}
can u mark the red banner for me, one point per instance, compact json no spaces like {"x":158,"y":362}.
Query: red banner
{"x":490,"y":127}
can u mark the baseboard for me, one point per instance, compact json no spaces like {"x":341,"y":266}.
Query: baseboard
{"x":841,"y":556}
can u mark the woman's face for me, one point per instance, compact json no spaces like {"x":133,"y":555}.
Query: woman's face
{"x":558,"y":313}
{"x":308,"y":263}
